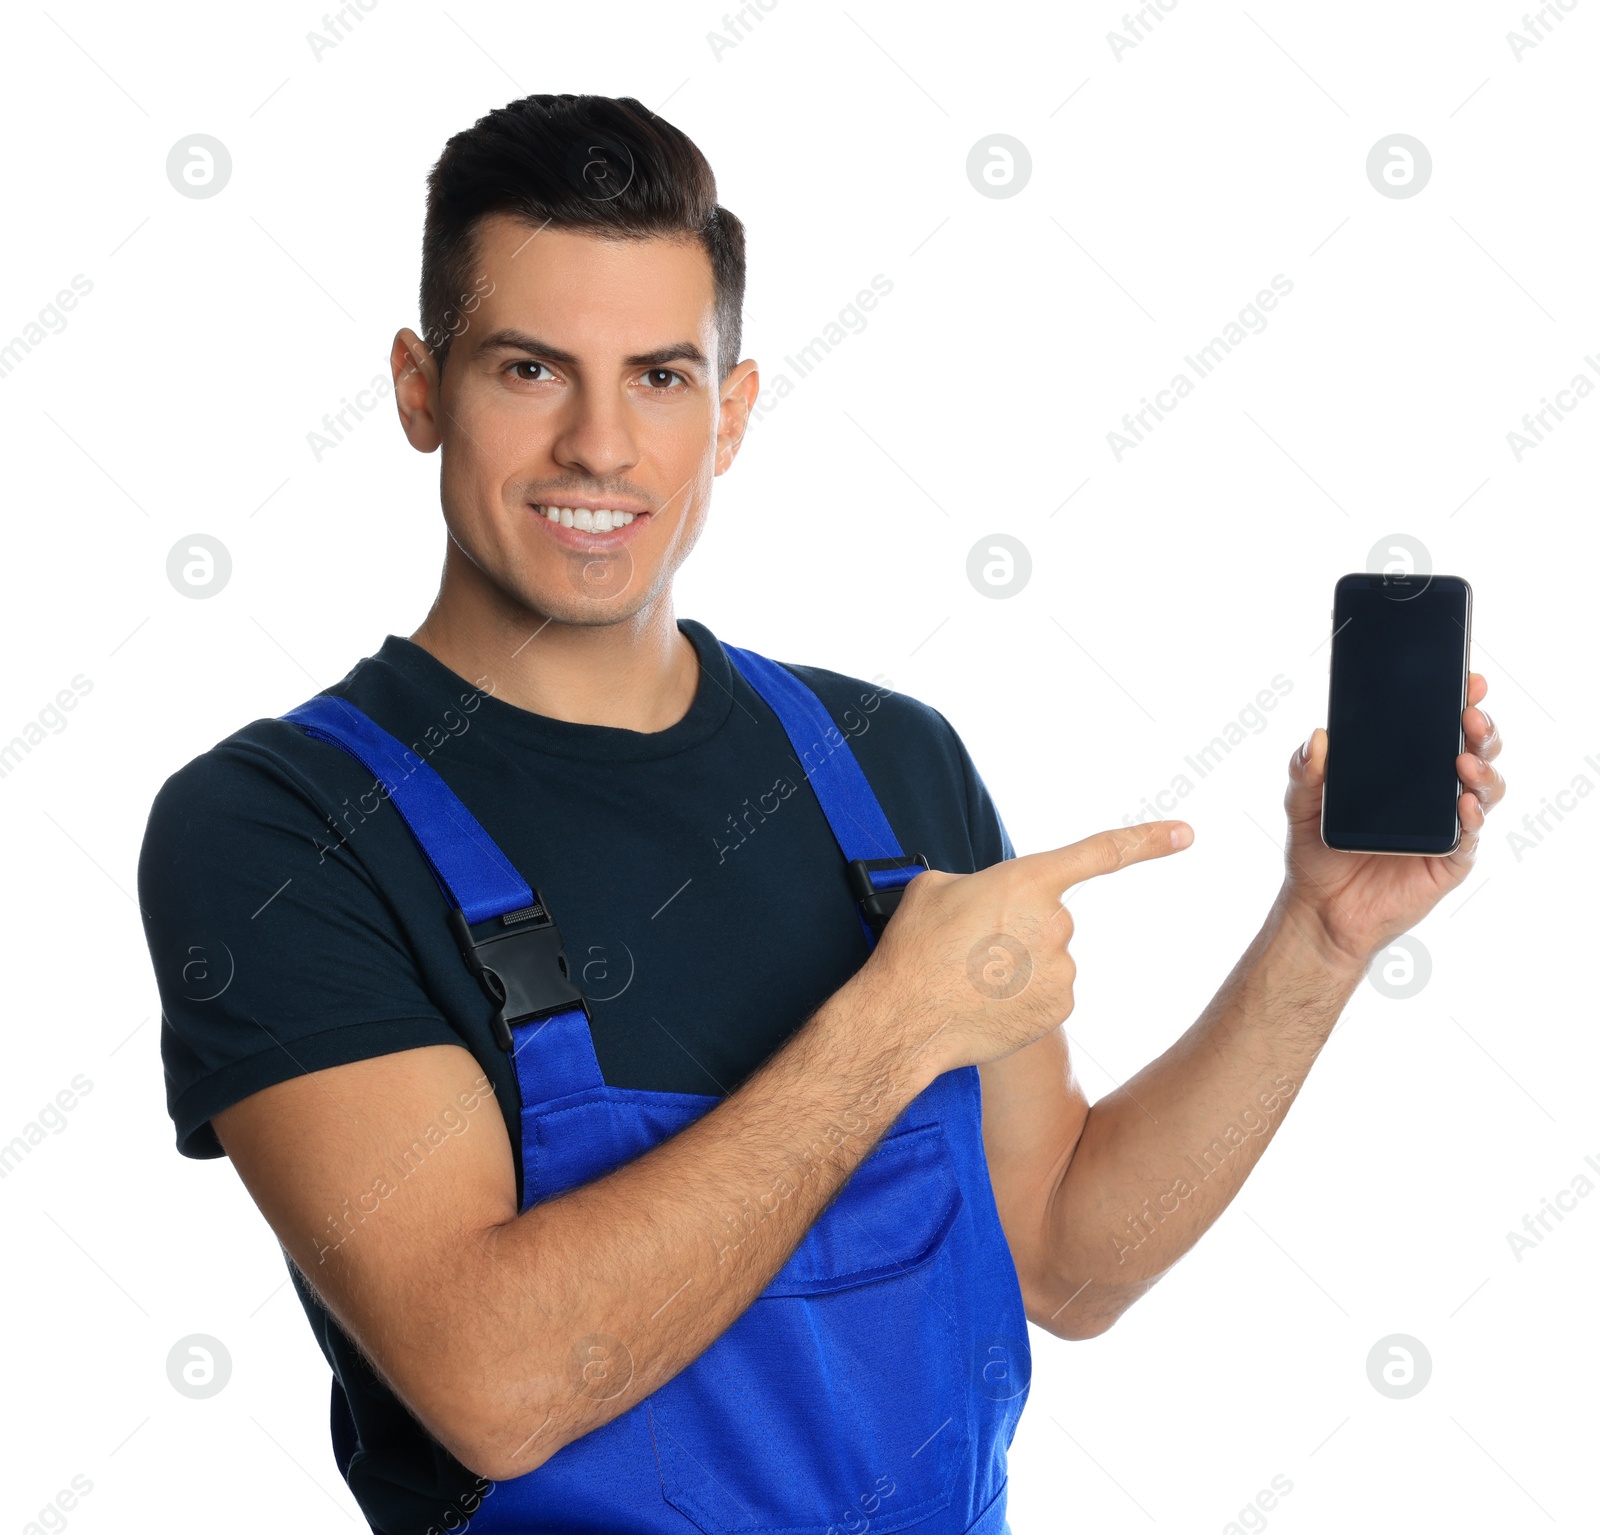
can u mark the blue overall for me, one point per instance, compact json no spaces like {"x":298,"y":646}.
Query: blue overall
{"x":876,"y":1383}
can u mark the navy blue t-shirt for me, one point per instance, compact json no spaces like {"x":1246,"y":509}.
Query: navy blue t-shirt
{"x":294,"y":924}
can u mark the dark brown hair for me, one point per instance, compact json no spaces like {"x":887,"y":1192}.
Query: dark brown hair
{"x":602,"y":165}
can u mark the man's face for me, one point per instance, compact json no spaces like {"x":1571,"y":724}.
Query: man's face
{"x":584,"y":379}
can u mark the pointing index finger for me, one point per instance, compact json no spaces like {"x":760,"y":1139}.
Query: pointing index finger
{"x":1108,"y":851}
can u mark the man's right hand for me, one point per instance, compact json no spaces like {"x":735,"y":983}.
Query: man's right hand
{"x":473,"y":1311}
{"x":976,"y":966}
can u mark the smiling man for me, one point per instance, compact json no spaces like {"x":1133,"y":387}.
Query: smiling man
{"x":649,"y":1056}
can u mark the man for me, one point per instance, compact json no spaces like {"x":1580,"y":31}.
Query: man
{"x":733,"y":1218}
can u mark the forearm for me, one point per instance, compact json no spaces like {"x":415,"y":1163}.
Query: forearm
{"x":1160,"y":1158}
{"x":510,"y":1335}
{"x":591,"y":1300}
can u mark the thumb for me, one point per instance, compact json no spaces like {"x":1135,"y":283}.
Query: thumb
{"x":1055,"y":872}
{"x":1308,"y":768}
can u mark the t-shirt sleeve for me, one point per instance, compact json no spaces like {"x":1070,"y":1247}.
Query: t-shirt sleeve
{"x":991,"y":843}
{"x":271,"y":959}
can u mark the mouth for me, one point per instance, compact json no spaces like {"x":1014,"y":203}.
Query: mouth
{"x":583,"y":527}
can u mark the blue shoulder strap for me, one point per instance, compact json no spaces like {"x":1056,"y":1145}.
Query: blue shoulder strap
{"x":854,"y":814}
{"x":476,"y":876}
{"x":859,"y":825}
{"x":519,"y":958}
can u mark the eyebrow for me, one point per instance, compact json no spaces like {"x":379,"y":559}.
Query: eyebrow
{"x":520,"y":341}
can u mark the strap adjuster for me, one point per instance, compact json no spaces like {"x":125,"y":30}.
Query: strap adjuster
{"x":519,"y":960}
{"x":878,"y":905}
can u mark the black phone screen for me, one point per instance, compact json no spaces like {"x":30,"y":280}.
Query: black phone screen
{"x":1397,"y":686}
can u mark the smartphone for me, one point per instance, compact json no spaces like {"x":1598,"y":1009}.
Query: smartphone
{"x":1397,"y":684}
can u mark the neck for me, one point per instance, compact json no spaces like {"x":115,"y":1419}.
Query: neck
{"x":639,"y":673}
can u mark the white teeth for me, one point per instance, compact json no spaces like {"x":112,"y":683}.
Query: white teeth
{"x":603,"y":521}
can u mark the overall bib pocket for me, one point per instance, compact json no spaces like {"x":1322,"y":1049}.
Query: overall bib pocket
{"x":838,"y":1402}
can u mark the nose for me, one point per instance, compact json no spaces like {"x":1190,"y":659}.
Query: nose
{"x":597,"y":437}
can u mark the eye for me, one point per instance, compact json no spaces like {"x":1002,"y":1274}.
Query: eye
{"x":653,"y":375}
{"x":525,"y":362}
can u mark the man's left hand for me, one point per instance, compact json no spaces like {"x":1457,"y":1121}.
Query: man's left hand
{"x":1357,"y":903}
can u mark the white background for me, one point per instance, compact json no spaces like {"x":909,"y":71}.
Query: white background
{"x":1168,"y":186}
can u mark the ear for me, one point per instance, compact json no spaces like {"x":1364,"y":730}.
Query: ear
{"x":416,"y":390}
{"x":738,"y":399}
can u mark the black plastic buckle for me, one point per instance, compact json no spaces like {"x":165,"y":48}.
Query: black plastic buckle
{"x":519,"y":960}
{"x":877,"y":906}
